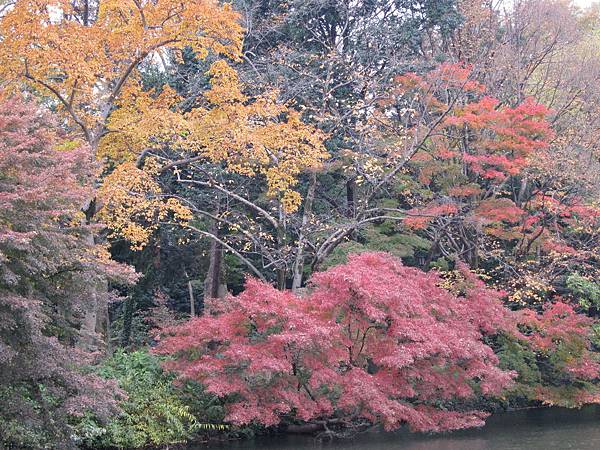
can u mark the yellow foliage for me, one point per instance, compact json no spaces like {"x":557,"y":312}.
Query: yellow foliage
{"x":258,"y":137}
{"x":133,"y":207}
{"x":86,"y":65}
{"x":91,"y":67}
{"x":291,"y":200}
{"x":140,"y":117}
{"x":530,"y":288}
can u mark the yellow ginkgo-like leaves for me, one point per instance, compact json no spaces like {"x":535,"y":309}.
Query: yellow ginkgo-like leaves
{"x":86,"y":59}
{"x":253,"y":137}
{"x":140,"y":118}
{"x":133,"y":206}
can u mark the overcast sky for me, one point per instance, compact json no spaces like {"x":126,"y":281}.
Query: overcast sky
{"x":580,"y":3}
{"x":585,"y":2}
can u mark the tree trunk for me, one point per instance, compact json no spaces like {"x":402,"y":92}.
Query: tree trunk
{"x":475,"y":252}
{"x":213,"y":278}
{"x":191,"y":294}
{"x":127,"y":320}
{"x":351,"y":197}
{"x":299,"y":262}
{"x":89,"y":338}
{"x":281,"y":278}
{"x":281,"y":241}
{"x":105,"y":330}
{"x":86,"y":13}
{"x":94,"y":329}
{"x":522,"y":191}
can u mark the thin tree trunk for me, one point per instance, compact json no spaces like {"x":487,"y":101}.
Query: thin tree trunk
{"x":214,"y":271}
{"x":191,"y":294}
{"x":351,"y":197}
{"x":94,"y":321}
{"x":299,"y":262}
{"x":94,"y":330}
{"x":281,"y":272}
{"x":127,"y":320}
{"x":106,"y":327}
{"x":281,"y":241}
{"x":213,"y":278}
{"x":474,"y":253}
{"x":522,"y":191}
{"x":86,"y":13}
{"x":281,"y":278}
{"x":88,"y":339}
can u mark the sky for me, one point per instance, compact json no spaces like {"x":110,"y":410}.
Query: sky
{"x":584,"y":3}
{"x":580,"y":3}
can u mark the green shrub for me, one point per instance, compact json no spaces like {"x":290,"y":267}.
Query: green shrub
{"x":18,"y":426}
{"x":155,"y":412}
{"x":584,"y":290}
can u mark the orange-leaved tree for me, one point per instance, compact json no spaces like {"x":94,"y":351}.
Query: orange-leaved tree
{"x":86,"y":53}
{"x":90,"y":59}
{"x":87,"y":56}
{"x":226,"y":135}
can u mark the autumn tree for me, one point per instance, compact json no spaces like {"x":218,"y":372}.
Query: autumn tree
{"x":352,"y":353}
{"x":554,"y":356}
{"x":88,"y":54}
{"x":83,"y":55}
{"x":476,"y":186}
{"x":45,"y":266}
{"x":558,"y":66}
{"x":333,"y":59}
{"x":409,"y":122}
{"x":226,"y":134}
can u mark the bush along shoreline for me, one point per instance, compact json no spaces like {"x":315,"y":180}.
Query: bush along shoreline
{"x":349,"y":355}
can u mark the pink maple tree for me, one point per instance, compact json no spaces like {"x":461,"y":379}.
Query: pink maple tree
{"x":373,"y":342}
{"x":569,"y":369}
{"x":45,"y":266}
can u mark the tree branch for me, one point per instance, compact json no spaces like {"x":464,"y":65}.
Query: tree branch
{"x":67,"y":104}
{"x":230,"y":248}
{"x":246,"y":202}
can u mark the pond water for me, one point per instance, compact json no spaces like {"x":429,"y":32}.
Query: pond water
{"x":544,"y":429}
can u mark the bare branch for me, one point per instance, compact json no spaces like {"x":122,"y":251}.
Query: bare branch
{"x":230,"y":248}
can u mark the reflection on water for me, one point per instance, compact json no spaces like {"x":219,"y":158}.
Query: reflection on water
{"x":545,"y":429}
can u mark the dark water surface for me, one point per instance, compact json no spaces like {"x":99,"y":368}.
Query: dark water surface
{"x":544,"y":429}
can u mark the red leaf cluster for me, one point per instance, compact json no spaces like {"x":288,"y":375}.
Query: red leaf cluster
{"x":561,"y":338}
{"x":373,"y":340}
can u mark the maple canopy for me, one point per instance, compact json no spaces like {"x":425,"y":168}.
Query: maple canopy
{"x":479,"y":187}
{"x":45,"y":266}
{"x":374,"y":341}
{"x":353,"y":348}
{"x":561,"y":340}
{"x":85,"y":53}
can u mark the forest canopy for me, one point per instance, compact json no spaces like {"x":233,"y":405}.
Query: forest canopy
{"x":220,"y":219}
